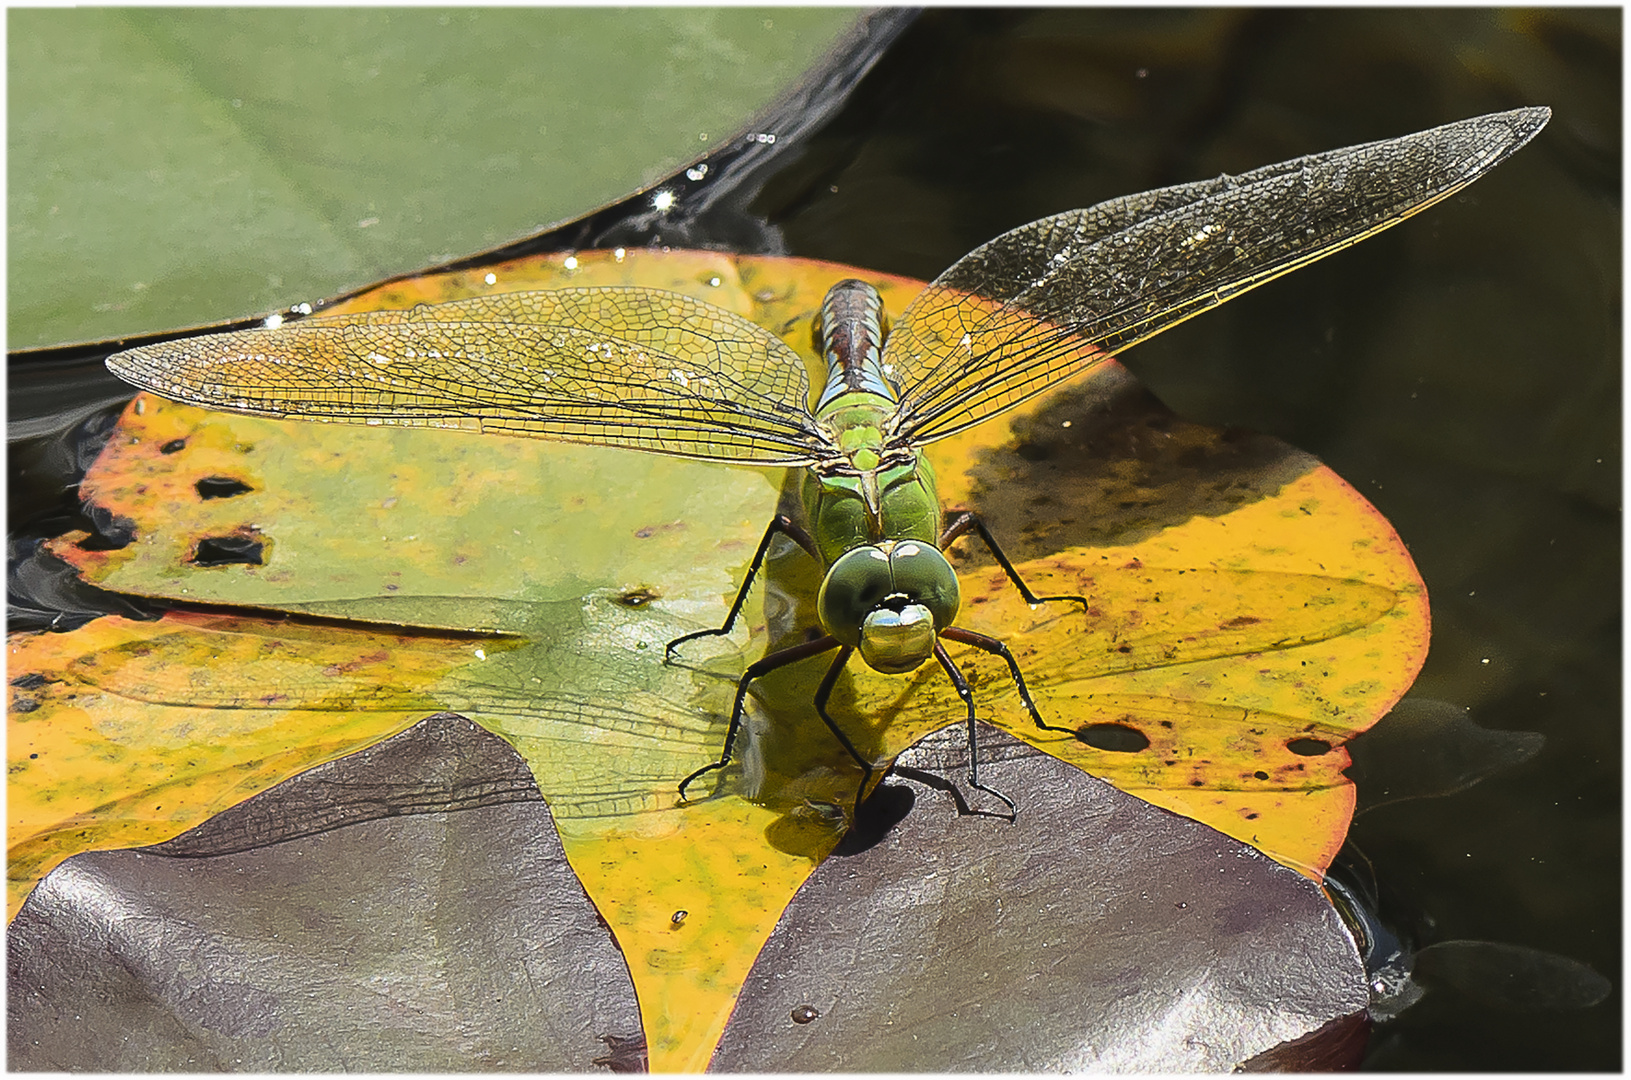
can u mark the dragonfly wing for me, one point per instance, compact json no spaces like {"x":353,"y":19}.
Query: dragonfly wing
{"x":1055,"y":297}
{"x":613,"y":366}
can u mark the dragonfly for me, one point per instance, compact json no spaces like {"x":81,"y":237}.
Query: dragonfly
{"x":656,"y":371}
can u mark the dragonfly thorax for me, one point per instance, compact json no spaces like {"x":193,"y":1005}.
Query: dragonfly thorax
{"x":890,"y":601}
{"x":858,"y":400}
{"x":854,"y":426}
{"x":846,"y":508}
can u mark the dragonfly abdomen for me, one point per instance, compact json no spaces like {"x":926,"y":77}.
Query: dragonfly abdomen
{"x":851,"y":342}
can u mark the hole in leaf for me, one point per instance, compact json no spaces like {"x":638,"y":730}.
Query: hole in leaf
{"x":24,"y":704}
{"x":225,"y":550}
{"x":221,"y":487}
{"x":108,"y":531}
{"x":173,"y":446}
{"x":1116,"y":738}
{"x":1308,"y":747}
{"x":1261,"y":775}
{"x":32,"y":681}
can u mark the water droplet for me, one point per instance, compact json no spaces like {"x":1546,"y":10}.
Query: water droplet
{"x":805,"y":1013}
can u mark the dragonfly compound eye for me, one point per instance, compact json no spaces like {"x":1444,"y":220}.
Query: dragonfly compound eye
{"x":890,"y":601}
{"x":922,"y":573}
{"x":858,"y":583}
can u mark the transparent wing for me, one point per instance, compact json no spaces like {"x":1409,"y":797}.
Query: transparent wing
{"x":613,"y":366}
{"x":1057,"y":296}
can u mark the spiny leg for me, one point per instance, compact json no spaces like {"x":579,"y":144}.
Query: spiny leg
{"x":958,"y":522}
{"x":822,"y":693}
{"x":760,"y":667}
{"x":997,"y":648}
{"x":781,"y":523}
{"x":967,"y":695}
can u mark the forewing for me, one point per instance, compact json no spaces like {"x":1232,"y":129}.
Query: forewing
{"x":1057,"y":296}
{"x":612,"y":366}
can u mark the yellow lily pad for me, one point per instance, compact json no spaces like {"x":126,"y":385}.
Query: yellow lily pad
{"x":1235,"y":631}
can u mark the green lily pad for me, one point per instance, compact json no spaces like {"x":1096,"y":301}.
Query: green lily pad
{"x":176,"y":166}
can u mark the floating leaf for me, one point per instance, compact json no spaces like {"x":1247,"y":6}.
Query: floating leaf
{"x":1240,"y":627}
{"x":1159,"y":944}
{"x":125,"y":733}
{"x":142,"y":200}
{"x":468,"y":942}
{"x":958,"y":944}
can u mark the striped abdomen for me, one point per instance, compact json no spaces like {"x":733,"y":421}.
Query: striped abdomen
{"x":851,"y":341}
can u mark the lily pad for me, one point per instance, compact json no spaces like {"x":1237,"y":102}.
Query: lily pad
{"x":1156,"y":944}
{"x":1243,"y":627}
{"x":431,"y":857}
{"x":175,"y":166}
{"x":963,"y":945}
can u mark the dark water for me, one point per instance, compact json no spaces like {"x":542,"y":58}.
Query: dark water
{"x":1462,"y":371}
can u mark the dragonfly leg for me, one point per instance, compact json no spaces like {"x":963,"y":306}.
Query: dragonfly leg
{"x":997,"y":648}
{"x":781,"y":523}
{"x":959,"y":522}
{"x":967,"y":695}
{"x":762,"y":666}
{"x":823,"y":692}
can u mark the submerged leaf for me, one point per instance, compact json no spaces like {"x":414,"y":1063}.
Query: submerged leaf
{"x":1512,"y":977}
{"x":1425,"y":748}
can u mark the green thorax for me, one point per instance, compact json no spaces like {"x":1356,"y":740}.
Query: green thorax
{"x":840,"y":517}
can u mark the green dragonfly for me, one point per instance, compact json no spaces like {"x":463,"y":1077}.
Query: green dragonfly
{"x":661,"y":372}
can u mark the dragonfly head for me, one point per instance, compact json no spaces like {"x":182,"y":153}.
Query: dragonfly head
{"x":890,"y":601}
